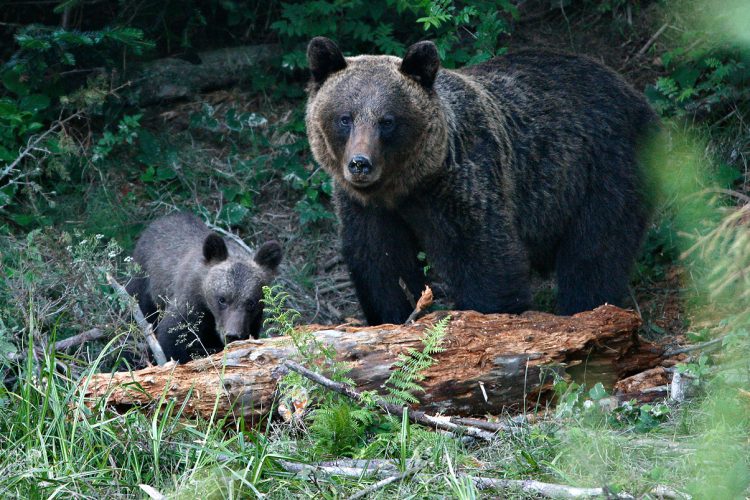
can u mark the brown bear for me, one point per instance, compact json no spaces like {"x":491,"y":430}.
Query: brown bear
{"x":526,"y":161}
{"x":209,"y":288}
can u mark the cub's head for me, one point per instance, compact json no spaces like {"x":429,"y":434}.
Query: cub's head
{"x":232,"y":286}
{"x":375,"y":122}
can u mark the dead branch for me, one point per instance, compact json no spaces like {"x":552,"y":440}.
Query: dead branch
{"x":651,"y":40}
{"x":385,"y":482}
{"x":140,"y":319}
{"x":696,"y":347}
{"x":529,"y":486}
{"x":81,"y":338}
{"x":414,"y":416}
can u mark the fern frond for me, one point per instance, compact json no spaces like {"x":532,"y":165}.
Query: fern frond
{"x":405,"y":379}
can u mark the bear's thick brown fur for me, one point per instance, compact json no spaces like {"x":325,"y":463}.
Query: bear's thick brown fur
{"x":209,"y":288}
{"x":529,"y":160}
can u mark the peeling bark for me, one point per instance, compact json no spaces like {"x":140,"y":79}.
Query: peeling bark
{"x":492,"y":363}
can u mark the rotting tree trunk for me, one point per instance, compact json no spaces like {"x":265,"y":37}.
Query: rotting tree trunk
{"x":173,"y":78}
{"x":492,"y":363}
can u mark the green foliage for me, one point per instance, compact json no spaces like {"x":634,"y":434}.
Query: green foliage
{"x":574,"y":401}
{"x":707,"y":81}
{"x":280,"y":320}
{"x":34,"y":106}
{"x":408,"y":369}
{"x":288,"y":161}
{"x":641,"y":417}
{"x":127,"y":133}
{"x":465,"y":32}
{"x":58,"y":280}
{"x":707,"y":64}
{"x":338,"y":428}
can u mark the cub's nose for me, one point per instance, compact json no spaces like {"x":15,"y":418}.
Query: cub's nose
{"x":360,"y":165}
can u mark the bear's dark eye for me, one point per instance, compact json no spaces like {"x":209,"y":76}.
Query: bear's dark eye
{"x":345,"y":121}
{"x":222,"y":301}
{"x":387,"y":124}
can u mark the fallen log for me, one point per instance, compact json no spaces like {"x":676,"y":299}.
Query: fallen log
{"x":173,"y":78}
{"x":491,"y":363}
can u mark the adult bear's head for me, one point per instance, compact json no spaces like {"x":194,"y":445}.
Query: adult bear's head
{"x":375,"y":123}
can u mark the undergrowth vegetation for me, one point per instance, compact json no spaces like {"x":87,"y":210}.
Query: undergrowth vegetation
{"x":82,"y":169}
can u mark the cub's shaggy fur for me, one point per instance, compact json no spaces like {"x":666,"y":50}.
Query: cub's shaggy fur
{"x":208,"y":288}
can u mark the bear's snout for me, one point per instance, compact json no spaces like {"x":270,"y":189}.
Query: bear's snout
{"x":361,"y":172}
{"x":360,"y":165}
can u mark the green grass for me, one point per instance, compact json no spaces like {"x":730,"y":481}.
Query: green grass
{"x":51,"y":445}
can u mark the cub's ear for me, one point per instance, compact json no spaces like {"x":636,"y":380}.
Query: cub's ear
{"x":269,"y":255}
{"x":324,"y":58}
{"x":421,"y":63}
{"x":214,"y":249}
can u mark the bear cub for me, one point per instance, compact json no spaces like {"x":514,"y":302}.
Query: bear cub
{"x":208,"y":288}
{"x":527,"y":161}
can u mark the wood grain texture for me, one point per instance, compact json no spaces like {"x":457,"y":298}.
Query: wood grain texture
{"x":511,"y":356}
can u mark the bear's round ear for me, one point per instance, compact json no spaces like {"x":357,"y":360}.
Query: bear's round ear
{"x":269,"y":255}
{"x":324,"y":58}
{"x":214,"y":249}
{"x":421,"y":63}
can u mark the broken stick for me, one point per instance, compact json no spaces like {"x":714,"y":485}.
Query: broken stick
{"x":414,"y":416}
{"x":140,"y":319}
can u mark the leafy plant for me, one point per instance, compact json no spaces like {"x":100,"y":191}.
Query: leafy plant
{"x":408,"y":369}
{"x":34,"y":106}
{"x":705,"y":82}
{"x":338,"y":428}
{"x":465,"y":32}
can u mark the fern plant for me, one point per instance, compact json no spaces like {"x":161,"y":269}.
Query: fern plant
{"x":405,"y":380}
{"x":339,"y":428}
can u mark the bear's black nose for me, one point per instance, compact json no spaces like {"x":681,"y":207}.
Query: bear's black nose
{"x":360,"y":165}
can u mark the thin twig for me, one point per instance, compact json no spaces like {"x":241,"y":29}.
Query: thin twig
{"x":231,"y":236}
{"x":385,"y":482}
{"x":415,"y":416}
{"x":651,"y":40}
{"x":143,"y":324}
{"x":31,"y":146}
{"x":407,"y":292}
{"x":729,"y":192}
{"x":695,"y":347}
{"x":81,"y":338}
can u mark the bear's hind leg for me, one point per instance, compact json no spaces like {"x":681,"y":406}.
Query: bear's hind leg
{"x":594,"y":259}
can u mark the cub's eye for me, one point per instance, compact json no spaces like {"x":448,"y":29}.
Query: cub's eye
{"x":387,"y":123}
{"x":345,"y":121}
{"x":222,"y":301}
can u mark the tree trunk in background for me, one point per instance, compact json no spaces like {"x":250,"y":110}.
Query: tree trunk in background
{"x":492,"y":363}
